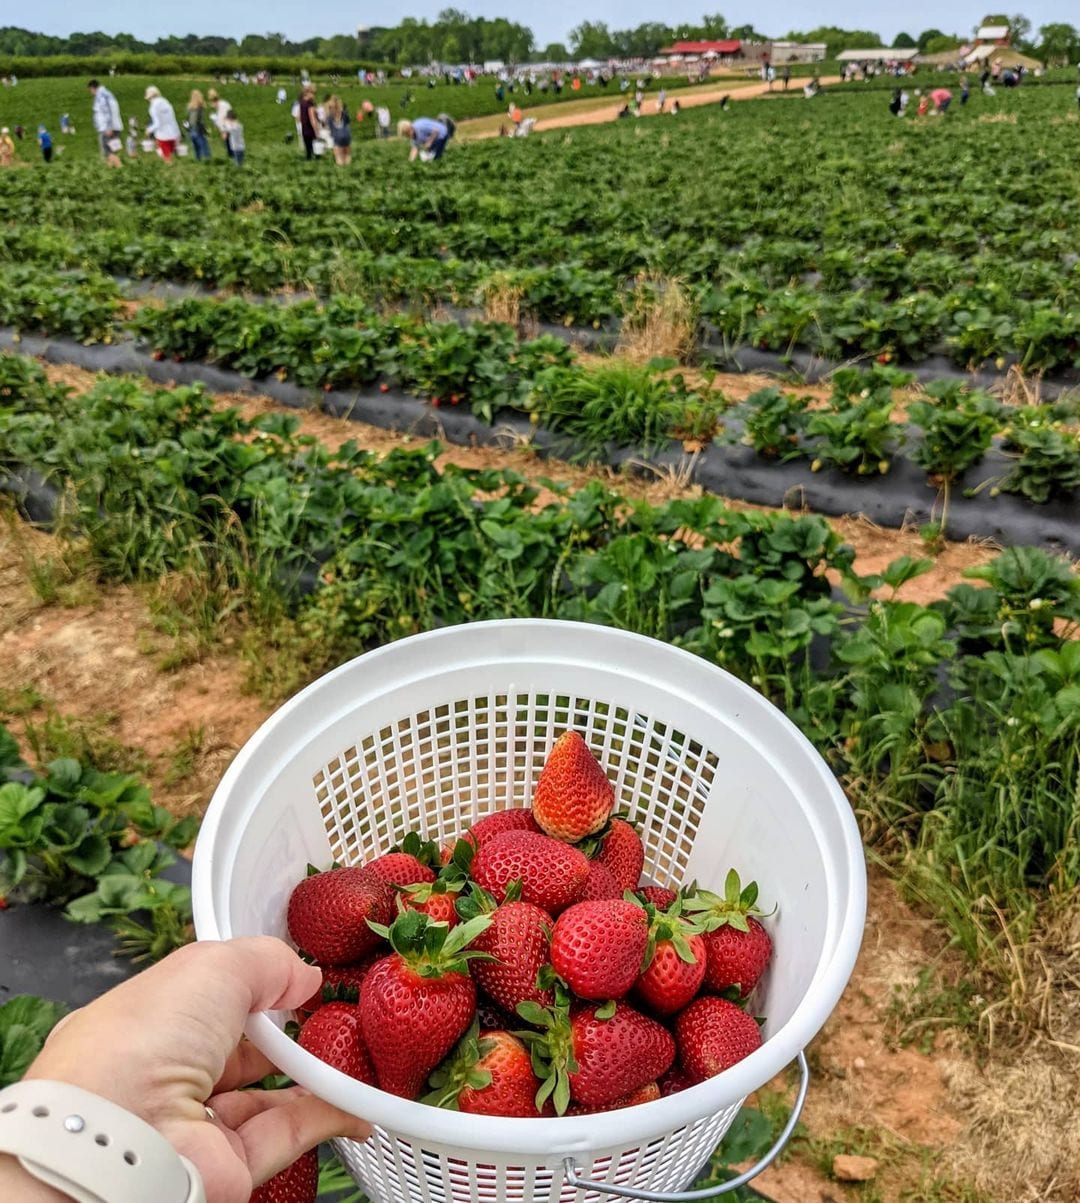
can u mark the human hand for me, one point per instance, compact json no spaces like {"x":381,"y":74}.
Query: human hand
{"x":168,"y":1044}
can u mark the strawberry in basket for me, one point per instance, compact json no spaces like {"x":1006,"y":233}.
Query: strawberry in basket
{"x":573,"y":797}
{"x":328,"y":913}
{"x":738,"y":948}
{"x":416,"y":1003}
{"x":489,"y":1073}
{"x":552,"y":874}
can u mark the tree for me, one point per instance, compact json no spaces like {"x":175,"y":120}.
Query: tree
{"x":943,"y":42}
{"x":555,"y":52}
{"x":1059,"y":43}
{"x":837,"y":39}
{"x":904,"y":41}
{"x":1020,"y":29}
{"x":927,"y":36}
{"x":591,"y":39}
{"x":746,"y":33}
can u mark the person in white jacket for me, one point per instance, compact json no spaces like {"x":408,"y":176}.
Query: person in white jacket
{"x":107,"y":122}
{"x":163,"y":126}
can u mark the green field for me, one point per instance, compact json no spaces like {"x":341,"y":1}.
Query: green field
{"x":797,"y":229}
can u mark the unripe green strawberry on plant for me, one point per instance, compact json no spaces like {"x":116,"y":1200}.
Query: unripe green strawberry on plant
{"x":674,"y":964}
{"x":737,"y":947}
{"x":551,"y":873}
{"x":597,"y":948}
{"x":328,"y":913}
{"x":416,"y":1003}
{"x":489,"y":1073}
{"x":333,"y":1034}
{"x":713,"y":1035}
{"x":297,"y":1183}
{"x":518,"y":943}
{"x":594,"y":1054}
{"x":573,"y":797}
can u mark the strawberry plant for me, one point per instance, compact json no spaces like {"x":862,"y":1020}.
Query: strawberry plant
{"x":25,"y":1021}
{"x":957,"y":425}
{"x":774,"y":423}
{"x":1047,"y":456}
{"x":857,"y":434}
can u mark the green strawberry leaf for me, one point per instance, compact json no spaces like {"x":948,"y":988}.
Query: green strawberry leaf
{"x":606,"y":1010}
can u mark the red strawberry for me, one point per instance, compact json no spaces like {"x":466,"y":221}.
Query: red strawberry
{"x":599,"y":884}
{"x":737,"y":947}
{"x":328,"y":914}
{"x":333,"y":1035}
{"x":551,"y":873}
{"x":674,"y":1080}
{"x":573,"y":796}
{"x":399,"y":869}
{"x":713,"y":1035}
{"x":660,"y":896}
{"x":518,"y":818}
{"x":416,"y":1003}
{"x":340,"y":983}
{"x":489,"y":1073}
{"x":674,"y":965}
{"x":594,"y":1055}
{"x":435,"y":899}
{"x":519,"y":943}
{"x":618,"y":1055}
{"x":597,"y":947}
{"x":622,"y":852}
{"x":297,"y":1183}
{"x":644,"y":1094}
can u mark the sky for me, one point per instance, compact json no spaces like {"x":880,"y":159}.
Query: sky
{"x":550,"y":21}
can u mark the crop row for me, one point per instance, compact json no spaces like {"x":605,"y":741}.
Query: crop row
{"x":484,"y":367}
{"x":925,"y":711}
{"x":837,"y":253}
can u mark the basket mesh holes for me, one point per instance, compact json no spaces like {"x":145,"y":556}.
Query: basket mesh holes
{"x":437,"y":770}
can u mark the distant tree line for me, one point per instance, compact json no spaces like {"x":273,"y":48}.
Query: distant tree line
{"x":455,"y":36}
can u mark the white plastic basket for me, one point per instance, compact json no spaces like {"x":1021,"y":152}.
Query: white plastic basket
{"x":436,"y":730}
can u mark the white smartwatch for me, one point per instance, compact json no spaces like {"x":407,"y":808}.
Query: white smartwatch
{"x":91,"y":1149}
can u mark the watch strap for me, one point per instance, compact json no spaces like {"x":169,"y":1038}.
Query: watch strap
{"x":90,"y":1148}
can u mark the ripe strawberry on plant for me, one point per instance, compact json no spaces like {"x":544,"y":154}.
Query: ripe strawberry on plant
{"x":341,"y":983}
{"x":297,"y":1183}
{"x":412,"y":861}
{"x":489,"y":1073}
{"x":644,"y":1094}
{"x":333,"y":1034}
{"x":416,"y":1003}
{"x":713,"y":1035}
{"x":619,"y":848}
{"x":573,"y":797}
{"x":518,"y":943}
{"x":328,"y":913}
{"x":737,"y":947}
{"x":597,"y":948}
{"x":551,"y":873}
{"x":594,"y":1054}
{"x":674,"y":964}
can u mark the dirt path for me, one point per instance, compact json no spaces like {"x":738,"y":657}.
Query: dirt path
{"x":598,"y":111}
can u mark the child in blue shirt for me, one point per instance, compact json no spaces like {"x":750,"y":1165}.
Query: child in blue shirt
{"x":45,"y":142}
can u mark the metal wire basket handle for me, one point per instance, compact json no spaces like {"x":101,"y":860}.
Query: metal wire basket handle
{"x":572,"y":1174}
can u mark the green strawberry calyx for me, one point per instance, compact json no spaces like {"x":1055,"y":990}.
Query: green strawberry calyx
{"x":477,"y":901}
{"x":592,"y":844}
{"x":732,"y":910}
{"x":433,"y":949}
{"x":460,"y":1070}
{"x":671,"y":925}
{"x":422,"y":891}
{"x":551,"y":1048}
{"x":426,"y":851}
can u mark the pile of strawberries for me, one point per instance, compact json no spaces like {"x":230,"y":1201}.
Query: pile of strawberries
{"x":526,"y":969}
